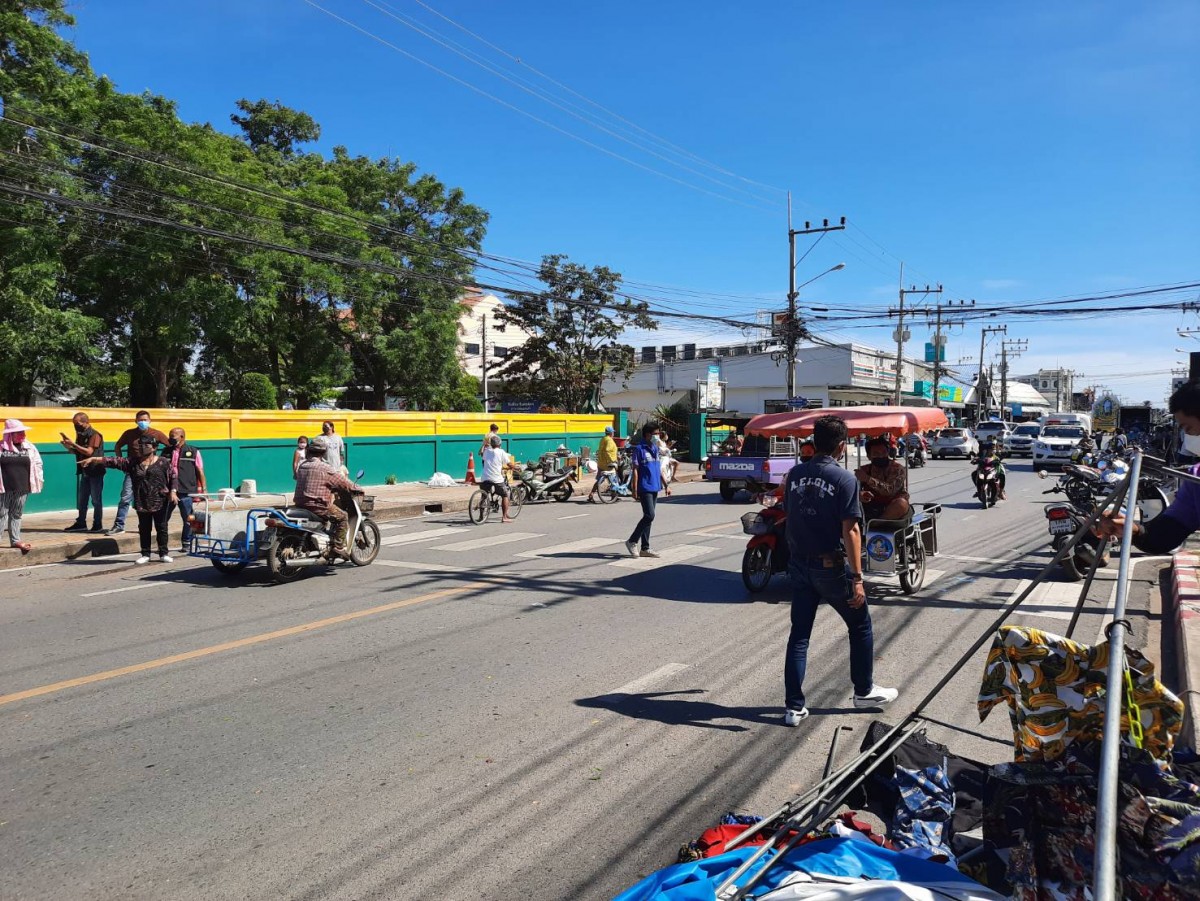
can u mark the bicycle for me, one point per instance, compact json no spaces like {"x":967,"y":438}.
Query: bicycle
{"x":484,"y":502}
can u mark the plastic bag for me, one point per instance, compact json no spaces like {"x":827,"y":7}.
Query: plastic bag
{"x":441,"y":480}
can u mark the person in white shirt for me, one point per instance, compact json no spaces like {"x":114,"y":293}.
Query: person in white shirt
{"x":667,"y":461}
{"x":495,"y":461}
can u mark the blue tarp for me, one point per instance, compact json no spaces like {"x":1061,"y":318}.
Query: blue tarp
{"x":697,"y":880}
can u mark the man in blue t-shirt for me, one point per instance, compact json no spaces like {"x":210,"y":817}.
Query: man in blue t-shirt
{"x":824,"y":538}
{"x":645,"y":484}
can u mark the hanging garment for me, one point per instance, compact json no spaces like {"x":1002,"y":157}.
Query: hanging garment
{"x":922,"y":818}
{"x":1054,"y":688}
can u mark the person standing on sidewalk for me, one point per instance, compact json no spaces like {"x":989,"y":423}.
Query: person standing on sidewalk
{"x":298,"y":456}
{"x":645,"y":484}
{"x":20,"y":476}
{"x":187,"y":473}
{"x":825,"y":543}
{"x":153,"y":491}
{"x":140,"y":430}
{"x":88,"y":443}
{"x":335,"y":453}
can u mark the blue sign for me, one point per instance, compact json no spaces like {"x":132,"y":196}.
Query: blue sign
{"x":798,"y":402}
{"x":521,"y":406}
{"x":934,"y":353}
{"x":1017,"y":409}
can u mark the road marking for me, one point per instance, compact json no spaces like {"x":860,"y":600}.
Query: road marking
{"x":643,"y":682}
{"x":966,"y":559}
{"x":1055,"y":600}
{"x":487,"y":541}
{"x":574,"y":516}
{"x":93,"y":594}
{"x":668,"y":556}
{"x":571,"y":547}
{"x":225,"y":646}
{"x":17,"y":569}
{"x":432,"y":535}
{"x":931,"y":576}
{"x":427,"y":567}
{"x":708,"y":530}
{"x":736,"y":536}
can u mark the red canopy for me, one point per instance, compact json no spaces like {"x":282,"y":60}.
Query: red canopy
{"x":870,"y":421}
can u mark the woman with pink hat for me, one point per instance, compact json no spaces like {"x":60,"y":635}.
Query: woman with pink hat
{"x":20,"y":476}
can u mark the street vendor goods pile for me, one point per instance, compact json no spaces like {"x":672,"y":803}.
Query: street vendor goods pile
{"x":957,"y":829}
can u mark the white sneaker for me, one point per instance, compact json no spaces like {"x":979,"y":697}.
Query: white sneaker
{"x":632,"y":548}
{"x":165,"y":558}
{"x":646,"y":552}
{"x":793,"y":717}
{"x":876,"y":697}
{"x":142,"y":559}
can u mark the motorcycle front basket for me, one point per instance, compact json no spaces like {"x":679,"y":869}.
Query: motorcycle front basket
{"x":756,"y":524}
{"x":367,"y":503}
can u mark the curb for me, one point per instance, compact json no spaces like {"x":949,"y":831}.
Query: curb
{"x":1185,"y":594}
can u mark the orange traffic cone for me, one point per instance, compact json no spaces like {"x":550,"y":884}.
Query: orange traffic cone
{"x":470,"y":479}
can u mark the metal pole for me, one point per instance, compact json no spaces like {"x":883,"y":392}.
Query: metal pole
{"x":900,"y":338}
{"x":937,"y":353}
{"x":790,"y":325}
{"x":979,"y":379}
{"x":1104,"y":867}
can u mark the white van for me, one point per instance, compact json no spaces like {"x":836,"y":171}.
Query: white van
{"x":1083,"y":420}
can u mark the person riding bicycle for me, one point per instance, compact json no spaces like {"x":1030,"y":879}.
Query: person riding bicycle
{"x":495,"y":461}
{"x":989,"y":453}
{"x":606,"y":463}
{"x":316,"y":483}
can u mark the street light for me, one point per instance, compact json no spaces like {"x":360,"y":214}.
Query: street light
{"x":826,"y":272}
{"x":792,"y":328}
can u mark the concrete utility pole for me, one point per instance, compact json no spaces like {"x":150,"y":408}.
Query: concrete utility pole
{"x":937,"y":339}
{"x":981,"y":405}
{"x":1014,"y":346}
{"x":899,"y":333}
{"x":793,"y":328}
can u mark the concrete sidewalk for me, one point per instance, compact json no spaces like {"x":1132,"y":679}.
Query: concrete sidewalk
{"x":1184,"y":620}
{"x":53,"y":545}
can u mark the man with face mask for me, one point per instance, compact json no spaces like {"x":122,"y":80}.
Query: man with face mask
{"x":141,"y":429}
{"x":883,"y":483}
{"x":88,"y":443}
{"x":1170,"y":528}
{"x":153,"y":490}
{"x":187,"y":469}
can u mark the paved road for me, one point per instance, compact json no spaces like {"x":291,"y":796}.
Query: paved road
{"x":493,"y":712}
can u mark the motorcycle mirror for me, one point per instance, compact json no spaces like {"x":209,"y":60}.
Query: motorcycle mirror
{"x":1041,"y":474}
{"x":360,"y":474}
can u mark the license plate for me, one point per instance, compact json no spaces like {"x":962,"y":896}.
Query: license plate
{"x":1062,"y":527}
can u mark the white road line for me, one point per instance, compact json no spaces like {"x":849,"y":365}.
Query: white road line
{"x":571,"y":547}
{"x":432,"y":535}
{"x":17,"y":569}
{"x":971,"y":516}
{"x":424,"y":567}
{"x":487,"y":541}
{"x":966,"y":559}
{"x":669,"y":555}
{"x":92,"y":594}
{"x":574,"y":516}
{"x":1055,"y":600}
{"x":708,"y":530}
{"x":931,"y":576}
{"x":643,"y":682}
{"x":736,"y":536}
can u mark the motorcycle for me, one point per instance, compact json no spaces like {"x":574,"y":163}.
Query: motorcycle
{"x":297,"y":539}
{"x":767,"y":551}
{"x":987,"y":481}
{"x":914,"y":456}
{"x":1063,"y":521}
{"x":538,"y":482}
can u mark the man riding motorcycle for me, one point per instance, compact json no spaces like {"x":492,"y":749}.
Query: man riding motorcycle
{"x":316,"y":483}
{"x":988,"y":453}
{"x":1085,"y":447}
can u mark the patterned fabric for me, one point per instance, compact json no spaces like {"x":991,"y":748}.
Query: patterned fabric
{"x":1040,"y":820}
{"x":315,"y":484}
{"x":922,"y":818}
{"x":1054,"y":689}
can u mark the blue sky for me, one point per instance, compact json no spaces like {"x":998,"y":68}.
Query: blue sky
{"x":1009,"y":151}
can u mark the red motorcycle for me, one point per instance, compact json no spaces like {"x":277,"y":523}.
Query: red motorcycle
{"x":767,"y":550}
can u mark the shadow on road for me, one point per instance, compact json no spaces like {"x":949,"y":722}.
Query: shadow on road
{"x":663,"y":707}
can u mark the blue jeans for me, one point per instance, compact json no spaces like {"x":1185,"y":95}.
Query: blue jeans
{"x":185,"y":510}
{"x":90,"y":488}
{"x":125,"y":504}
{"x":812,"y":585}
{"x":642,"y":532}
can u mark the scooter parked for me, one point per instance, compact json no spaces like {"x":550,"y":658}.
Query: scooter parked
{"x":539,"y":482}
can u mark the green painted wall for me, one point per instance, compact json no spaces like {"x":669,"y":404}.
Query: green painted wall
{"x":269,"y":463}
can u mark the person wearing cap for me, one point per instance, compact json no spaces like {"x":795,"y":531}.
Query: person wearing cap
{"x":142,"y":429}
{"x":606,"y":462}
{"x":153,"y":488}
{"x":21,"y":475}
{"x":316,"y":482}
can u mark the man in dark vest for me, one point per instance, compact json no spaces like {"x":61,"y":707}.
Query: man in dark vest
{"x":187,"y":469}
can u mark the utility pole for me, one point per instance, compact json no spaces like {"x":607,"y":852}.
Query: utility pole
{"x":1015,"y":346}
{"x":899,"y":333}
{"x":483,"y":354}
{"x":937,"y":339}
{"x":980,"y":405}
{"x":792,"y":327}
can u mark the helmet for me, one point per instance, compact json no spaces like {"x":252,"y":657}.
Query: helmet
{"x":317,"y":447}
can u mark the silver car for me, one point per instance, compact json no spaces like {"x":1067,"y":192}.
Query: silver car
{"x":1020,"y":440}
{"x":954,"y":443}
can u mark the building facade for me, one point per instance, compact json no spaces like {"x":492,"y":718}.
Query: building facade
{"x":1057,"y":386}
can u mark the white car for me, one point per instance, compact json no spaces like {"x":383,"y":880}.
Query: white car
{"x":1020,"y":440}
{"x":954,"y":443}
{"x":994,"y":431}
{"x":1055,"y":444}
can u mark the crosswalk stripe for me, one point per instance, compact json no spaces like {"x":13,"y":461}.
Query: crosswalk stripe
{"x":736,"y":536}
{"x":1055,"y":600}
{"x":432,"y":535}
{"x":423,"y":567}
{"x":668,"y":556}
{"x":487,"y":541}
{"x":587,"y":544}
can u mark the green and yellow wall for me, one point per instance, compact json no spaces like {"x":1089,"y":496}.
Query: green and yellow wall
{"x":258,"y":444}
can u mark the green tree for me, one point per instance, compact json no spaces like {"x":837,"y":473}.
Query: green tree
{"x":574,"y":327}
{"x":254,"y":391}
